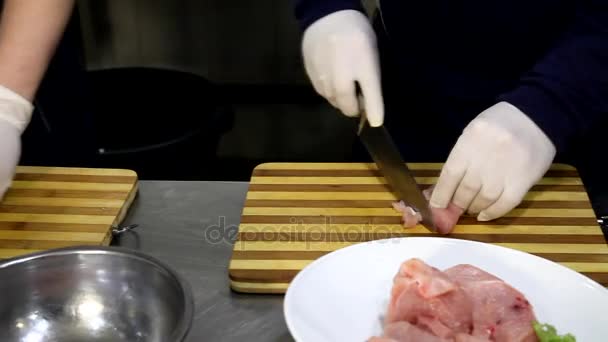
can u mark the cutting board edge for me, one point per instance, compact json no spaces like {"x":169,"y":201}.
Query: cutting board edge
{"x":124,"y":210}
{"x":269,"y":289}
{"x":30,"y":168}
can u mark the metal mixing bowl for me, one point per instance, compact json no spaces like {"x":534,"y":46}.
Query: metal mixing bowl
{"x":92,"y":294}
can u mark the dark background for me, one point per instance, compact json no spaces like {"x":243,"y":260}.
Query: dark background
{"x":198,"y":90}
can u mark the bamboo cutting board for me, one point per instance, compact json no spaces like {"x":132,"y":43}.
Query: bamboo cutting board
{"x":295,"y":213}
{"x":49,"y":207}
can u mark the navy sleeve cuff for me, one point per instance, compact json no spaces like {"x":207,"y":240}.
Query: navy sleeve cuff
{"x":546,"y":111}
{"x":309,"y":11}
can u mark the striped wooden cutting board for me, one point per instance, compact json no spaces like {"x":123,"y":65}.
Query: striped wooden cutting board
{"x":295,"y":213}
{"x":49,"y":207}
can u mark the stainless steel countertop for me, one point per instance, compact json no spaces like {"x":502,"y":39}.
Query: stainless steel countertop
{"x":179,"y":222}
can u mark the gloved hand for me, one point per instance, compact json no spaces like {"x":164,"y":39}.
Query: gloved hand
{"x":339,"y":50}
{"x":15,"y":115}
{"x":500,"y":155}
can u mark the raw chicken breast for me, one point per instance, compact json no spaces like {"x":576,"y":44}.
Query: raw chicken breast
{"x":431,"y":281}
{"x":423,"y":294}
{"x":405,"y":332}
{"x":467,"y":273}
{"x":470,"y":338}
{"x":445,"y":219}
{"x":500,"y":312}
{"x":461,"y":304}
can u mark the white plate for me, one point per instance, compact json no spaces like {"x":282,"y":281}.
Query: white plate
{"x":342,"y":295}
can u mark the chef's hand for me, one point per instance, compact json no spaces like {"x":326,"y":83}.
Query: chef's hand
{"x":339,"y":50}
{"x":500,"y":155}
{"x":15,"y":114}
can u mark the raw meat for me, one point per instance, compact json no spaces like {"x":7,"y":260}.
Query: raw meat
{"x":500,"y":311}
{"x":461,"y":304}
{"x":445,"y":219}
{"x":426,"y":296}
{"x":467,"y":273}
{"x":405,"y":332}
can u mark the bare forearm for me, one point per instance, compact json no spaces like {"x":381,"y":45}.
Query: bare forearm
{"x":29,"y":33}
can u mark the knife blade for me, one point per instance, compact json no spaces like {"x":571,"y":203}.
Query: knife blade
{"x":387,"y":157}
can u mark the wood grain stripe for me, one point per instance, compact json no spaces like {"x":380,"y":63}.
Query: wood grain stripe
{"x":286,"y":276}
{"x":569,"y":248}
{"x":63,"y":202}
{"x":75,"y":171}
{"x":601,"y":278}
{"x":72,"y":194}
{"x":253,"y":264}
{"x":313,"y":255}
{"x":372,"y":173}
{"x":365,"y":166}
{"x":54,"y":227}
{"x":388,"y":204}
{"x":71,"y":186}
{"x":565,"y":248}
{"x":25,"y":209}
{"x":356,"y":236}
{"x":52,"y":218}
{"x":595,"y":267}
{"x":465,"y":220}
{"x":43,"y":244}
{"x":50,"y":236}
{"x":9,"y":253}
{"x":397,"y":228}
{"x":381,"y":180}
{"x":389,"y":196}
{"x":377,"y":187}
{"x":75,"y":178}
{"x":289,"y":265}
{"x":271,"y":288}
{"x":354,"y":211}
{"x":265,"y":276}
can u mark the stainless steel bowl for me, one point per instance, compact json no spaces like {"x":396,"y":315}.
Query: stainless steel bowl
{"x":92,"y":294}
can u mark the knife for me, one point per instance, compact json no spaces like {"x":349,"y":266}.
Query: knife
{"x":385,"y":154}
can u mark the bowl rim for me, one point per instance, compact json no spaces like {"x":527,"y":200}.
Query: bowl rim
{"x":182,"y":329}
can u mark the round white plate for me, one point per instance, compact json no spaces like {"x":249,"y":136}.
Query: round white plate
{"x":343,"y":295}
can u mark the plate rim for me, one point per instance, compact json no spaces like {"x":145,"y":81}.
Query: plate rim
{"x":288,"y":297}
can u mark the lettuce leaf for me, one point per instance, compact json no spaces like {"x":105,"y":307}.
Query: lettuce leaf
{"x":548,"y":333}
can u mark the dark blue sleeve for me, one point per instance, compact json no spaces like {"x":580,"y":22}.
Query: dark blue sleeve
{"x":566,"y":93}
{"x":309,"y":11}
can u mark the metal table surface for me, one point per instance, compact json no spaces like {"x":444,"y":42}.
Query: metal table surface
{"x":179,"y":223}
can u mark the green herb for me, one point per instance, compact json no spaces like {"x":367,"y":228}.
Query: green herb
{"x":548,"y":333}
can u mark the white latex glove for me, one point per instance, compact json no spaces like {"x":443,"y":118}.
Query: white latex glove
{"x":500,"y":155}
{"x":339,"y":50}
{"x":15,"y":115}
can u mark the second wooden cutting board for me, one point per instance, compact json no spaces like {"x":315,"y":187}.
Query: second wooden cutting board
{"x":296,"y":212}
{"x":54,"y":207}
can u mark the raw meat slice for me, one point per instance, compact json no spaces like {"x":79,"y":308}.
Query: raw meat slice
{"x":469,"y":338}
{"x":420,"y":290}
{"x":464,"y":273}
{"x":445,"y":219}
{"x":500,"y":312}
{"x":410,"y":217}
{"x":405,"y":332}
{"x":435,"y":326}
{"x":431,"y":281}
{"x":461,"y":304}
